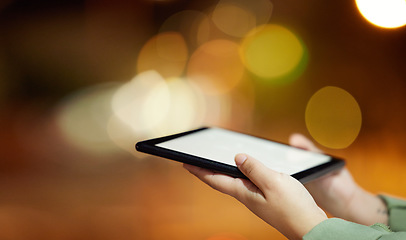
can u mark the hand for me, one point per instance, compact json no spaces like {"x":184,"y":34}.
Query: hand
{"x":270,"y":195}
{"x":338,"y":193}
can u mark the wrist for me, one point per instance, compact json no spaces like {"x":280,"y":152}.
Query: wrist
{"x":307,"y":225}
{"x":367,"y":209}
{"x":348,"y":207}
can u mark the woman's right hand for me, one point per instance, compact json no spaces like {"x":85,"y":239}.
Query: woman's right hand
{"x":338,"y":193}
{"x":271,"y":195}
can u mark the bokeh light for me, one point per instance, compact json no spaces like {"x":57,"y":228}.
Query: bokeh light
{"x":237,"y":17}
{"x":165,"y":53}
{"x":193,"y":25}
{"x":218,"y":110}
{"x":333,"y":117}
{"x":383,"y":13}
{"x":151,"y":106}
{"x":129,"y":101}
{"x":216,"y":66}
{"x":272,"y":52}
{"x":233,"y":19}
{"x":83,"y":118}
{"x":243,"y":99}
{"x":187,"y":107}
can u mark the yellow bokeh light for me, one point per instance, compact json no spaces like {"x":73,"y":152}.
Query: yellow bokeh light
{"x":165,"y":53}
{"x":333,"y":117}
{"x":237,"y":17}
{"x":216,"y":67}
{"x":272,"y":51}
{"x":383,"y":13}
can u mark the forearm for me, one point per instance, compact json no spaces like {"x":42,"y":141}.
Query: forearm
{"x":366,"y":208}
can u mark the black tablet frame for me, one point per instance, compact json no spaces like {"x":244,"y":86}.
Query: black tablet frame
{"x":150,"y":147}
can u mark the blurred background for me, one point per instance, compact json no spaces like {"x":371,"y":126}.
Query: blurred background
{"x":82,"y":81}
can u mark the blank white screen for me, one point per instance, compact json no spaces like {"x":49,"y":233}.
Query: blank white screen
{"x":222,"y":145}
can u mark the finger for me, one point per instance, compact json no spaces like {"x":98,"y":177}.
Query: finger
{"x":300,"y":141}
{"x":220,"y":182}
{"x":264,"y":178}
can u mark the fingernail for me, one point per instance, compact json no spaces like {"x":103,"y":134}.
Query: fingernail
{"x":240,"y":159}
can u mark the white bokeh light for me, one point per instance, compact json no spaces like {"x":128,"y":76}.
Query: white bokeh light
{"x":383,"y":13}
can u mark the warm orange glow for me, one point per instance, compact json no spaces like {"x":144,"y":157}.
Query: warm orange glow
{"x":233,"y":20}
{"x":237,"y":17}
{"x":227,"y":236}
{"x":383,"y":13}
{"x":216,"y":66}
{"x":165,"y":53}
{"x":193,"y":25}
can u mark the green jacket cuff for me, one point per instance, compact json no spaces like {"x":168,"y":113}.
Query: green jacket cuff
{"x":338,"y":229}
{"x":397,"y":213}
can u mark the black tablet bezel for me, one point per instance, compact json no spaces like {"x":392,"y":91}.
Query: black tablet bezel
{"x":150,"y":147}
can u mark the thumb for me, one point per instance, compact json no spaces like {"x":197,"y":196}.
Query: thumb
{"x":263,"y":177}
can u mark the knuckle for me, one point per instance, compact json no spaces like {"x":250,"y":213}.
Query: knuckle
{"x":275,"y":184}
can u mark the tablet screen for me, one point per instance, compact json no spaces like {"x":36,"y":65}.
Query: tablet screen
{"x":222,"y":145}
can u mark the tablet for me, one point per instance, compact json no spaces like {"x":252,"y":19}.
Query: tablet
{"x":215,"y":149}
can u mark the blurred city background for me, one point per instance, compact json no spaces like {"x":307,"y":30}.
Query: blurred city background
{"x":82,"y":81}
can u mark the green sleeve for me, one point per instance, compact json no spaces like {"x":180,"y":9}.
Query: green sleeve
{"x":338,"y":229}
{"x":397,"y":213}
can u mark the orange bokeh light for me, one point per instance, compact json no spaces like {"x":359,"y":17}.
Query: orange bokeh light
{"x":237,"y":17}
{"x":165,"y":53}
{"x":193,"y":25}
{"x":216,"y":67}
